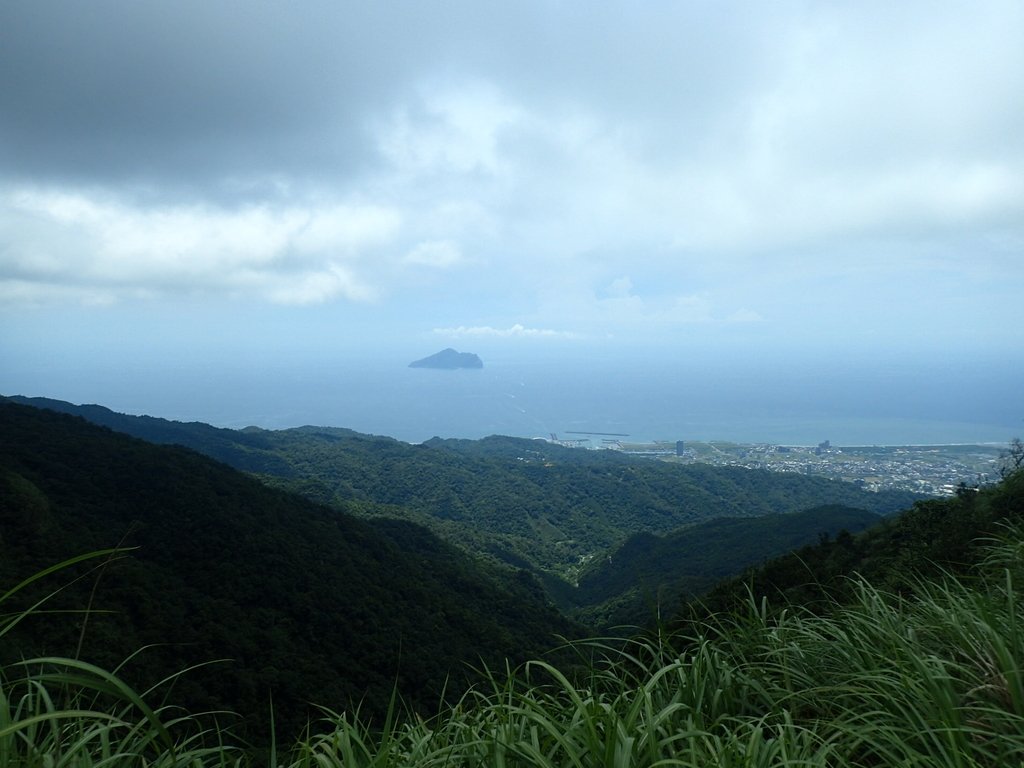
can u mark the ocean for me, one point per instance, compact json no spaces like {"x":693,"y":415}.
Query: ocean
{"x":665,"y":400}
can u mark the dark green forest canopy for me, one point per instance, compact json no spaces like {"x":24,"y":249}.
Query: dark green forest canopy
{"x":311,"y":603}
{"x":302,"y":600}
{"x":527,"y":503}
{"x":649,"y":574}
{"x":933,"y":538}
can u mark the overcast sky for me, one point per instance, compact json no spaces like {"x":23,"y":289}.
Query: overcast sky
{"x":786,"y":175}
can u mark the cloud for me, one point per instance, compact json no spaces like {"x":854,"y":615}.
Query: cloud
{"x":436,"y":253}
{"x":620,"y":288}
{"x":662,"y":312}
{"x":516,"y":331}
{"x":744,"y":316}
{"x":100,"y":245}
{"x":622,"y":305}
{"x":36,"y":293}
{"x":316,"y":287}
{"x":685,"y":310}
{"x":450,"y":128}
{"x":596,"y":167}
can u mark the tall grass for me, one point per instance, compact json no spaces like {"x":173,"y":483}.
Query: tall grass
{"x":933,"y":681}
{"x":57,"y":712}
{"x":929,"y":681}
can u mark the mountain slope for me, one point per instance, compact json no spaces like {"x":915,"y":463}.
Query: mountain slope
{"x":524,"y":502}
{"x":299,"y":597}
{"x":648,"y":571}
{"x":933,"y":538}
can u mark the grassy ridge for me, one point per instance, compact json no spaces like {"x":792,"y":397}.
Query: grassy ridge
{"x":929,"y":677}
{"x":882,"y":681}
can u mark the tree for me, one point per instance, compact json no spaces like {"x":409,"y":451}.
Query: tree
{"x":1012,"y":458}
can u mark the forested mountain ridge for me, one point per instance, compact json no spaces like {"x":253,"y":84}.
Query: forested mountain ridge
{"x":918,"y":667}
{"x":649,"y":574}
{"x":527,"y":503}
{"x":933,"y":538}
{"x":928,"y":674}
{"x":299,"y":597}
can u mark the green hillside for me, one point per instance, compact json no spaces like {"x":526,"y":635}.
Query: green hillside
{"x":303,"y":601}
{"x":648,"y":573}
{"x":933,"y":538}
{"x":526,"y":503}
{"x":920,"y":668}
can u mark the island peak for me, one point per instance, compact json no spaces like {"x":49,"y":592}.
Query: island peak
{"x":449,"y":359}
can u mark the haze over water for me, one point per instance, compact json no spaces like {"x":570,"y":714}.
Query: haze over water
{"x":652,"y":400}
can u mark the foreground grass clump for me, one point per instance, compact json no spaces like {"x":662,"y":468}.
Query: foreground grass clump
{"x":58,"y":712}
{"x":933,"y":681}
{"x":61,"y":712}
{"x":882,"y":681}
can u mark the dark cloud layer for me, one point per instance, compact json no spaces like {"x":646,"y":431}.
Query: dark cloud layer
{"x":194,"y":91}
{"x":576,"y":170}
{"x":190,"y":90}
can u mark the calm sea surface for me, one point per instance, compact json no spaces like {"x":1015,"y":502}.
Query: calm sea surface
{"x":668,"y":401}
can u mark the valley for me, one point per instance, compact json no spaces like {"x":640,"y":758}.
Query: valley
{"x":324,"y":565}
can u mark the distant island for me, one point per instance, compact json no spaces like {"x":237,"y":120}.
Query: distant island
{"x":449,"y":359}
